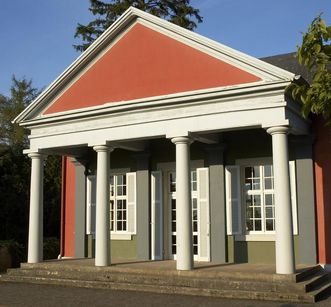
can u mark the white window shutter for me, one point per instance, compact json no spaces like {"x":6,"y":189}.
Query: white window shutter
{"x":90,"y":205}
{"x":131,"y":202}
{"x":233,"y":199}
{"x":293,"y":197}
{"x":203,"y":213}
{"x":156,"y":216}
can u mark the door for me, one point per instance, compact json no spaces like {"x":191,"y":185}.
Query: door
{"x":200,"y":214}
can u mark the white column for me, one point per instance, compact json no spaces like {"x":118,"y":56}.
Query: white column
{"x":102,"y":225}
{"x":35,"y":245}
{"x":183,"y":204}
{"x":285,"y":262}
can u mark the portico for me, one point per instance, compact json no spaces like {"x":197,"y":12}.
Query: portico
{"x":243,"y":194}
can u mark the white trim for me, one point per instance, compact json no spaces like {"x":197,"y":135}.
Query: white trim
{"x":120,"y":236}
{"x":256,"y":237}
{"x":169,"y":99}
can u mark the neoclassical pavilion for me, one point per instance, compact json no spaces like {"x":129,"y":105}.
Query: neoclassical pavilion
{"x":185,"y":148}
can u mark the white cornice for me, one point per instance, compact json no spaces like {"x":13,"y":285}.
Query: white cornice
{"x":120,"y":25}
{"x":165,"y":100}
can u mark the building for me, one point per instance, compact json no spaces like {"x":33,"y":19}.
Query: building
{"x":177,"y":147}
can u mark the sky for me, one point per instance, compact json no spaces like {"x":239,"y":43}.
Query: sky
{"x":36,"y":36}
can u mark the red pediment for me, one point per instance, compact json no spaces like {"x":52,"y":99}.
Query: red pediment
{"x":145,"y":63}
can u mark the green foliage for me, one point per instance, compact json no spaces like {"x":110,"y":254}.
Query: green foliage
{"x":179,"y":12}
{"x":16,"y":251}
{"x":51,"y":248}
{"x":315,"y":55}
{"x":22,"y":93}
{"x":15,"y":170}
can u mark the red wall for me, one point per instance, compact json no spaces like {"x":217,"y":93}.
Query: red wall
{"x":322,"y":156}
{"x":146,"y":63}
{"x":68,"y":210}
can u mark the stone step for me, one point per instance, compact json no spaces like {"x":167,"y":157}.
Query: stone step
{"x":178,"y":280}
{"x":237,"y":294}
{"x":312,"y":285}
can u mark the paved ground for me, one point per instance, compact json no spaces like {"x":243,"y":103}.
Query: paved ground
{"x":19,"y":294}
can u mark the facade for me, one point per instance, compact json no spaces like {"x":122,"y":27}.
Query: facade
{"x":175,"y":147}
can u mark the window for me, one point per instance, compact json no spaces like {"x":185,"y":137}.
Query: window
{"x":194,"y":200}
{"x":122,"y":205}
{"x":118,"y":203}
{"x":259,"y":199}
{"x":250,"y":201}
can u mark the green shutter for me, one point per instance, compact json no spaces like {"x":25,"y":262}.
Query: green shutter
{"x":156,"y":216}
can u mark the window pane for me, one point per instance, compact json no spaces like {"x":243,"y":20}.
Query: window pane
{"x":268,"y":199}
{"x":256,"y":184}
{"x":257,"y":200}
{"x":119,"y":225}
{"x":195,"y":249}
{"x":257,"y":213}
{"x":256,"y":171}
{"x":173,"y":215}
{"x":172,"y":182}
{"x":194,"y":203}
{"x":195,"y":226}
{"x":173,"y":204}
{"x":270,"y":225}
{"x":173,"y":227}
{"x":249,"y":212}
{"x":268,"y":171}
{"x":269,"y":212}
{"x":124,"y":226}
{"x":119,"y":190}
{"x":119,"y":179}
{"x":249,"y":225}
{"x":268,"y":183}
{"x":258,"y":225}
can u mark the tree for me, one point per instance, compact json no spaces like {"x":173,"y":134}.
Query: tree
{"x":315,"y":54}
{"x":22,"y":93}
{"x":180,"y":12}
{"x":15,"y":170}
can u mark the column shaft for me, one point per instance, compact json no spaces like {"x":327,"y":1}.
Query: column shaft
{"x":285,"y":261}
{"x":102,"y":235}
{"x":35,"y":244}
{"x":183,"y":204}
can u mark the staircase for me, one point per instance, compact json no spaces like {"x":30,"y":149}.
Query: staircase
{"x":309,"y":285}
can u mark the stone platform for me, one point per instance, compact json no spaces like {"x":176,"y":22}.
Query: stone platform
{"x":239,"y":281}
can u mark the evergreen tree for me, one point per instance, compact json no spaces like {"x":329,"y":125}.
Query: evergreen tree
{"x":15,"y":170}
{"x":180,"y":12}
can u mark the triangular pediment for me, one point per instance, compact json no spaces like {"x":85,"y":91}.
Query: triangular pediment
{"x":142,"y":56}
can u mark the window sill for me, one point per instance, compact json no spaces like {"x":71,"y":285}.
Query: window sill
{"x":121,"y":236}
{"x":256,"y":237}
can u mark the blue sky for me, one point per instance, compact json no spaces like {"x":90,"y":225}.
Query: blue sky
{"x":36,"y":36}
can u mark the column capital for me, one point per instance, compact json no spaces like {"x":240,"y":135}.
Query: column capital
{"x":278,"y":130}
{"x":103,"y":148}
{"x":182,"y":140}
{"x":36,"y":155}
